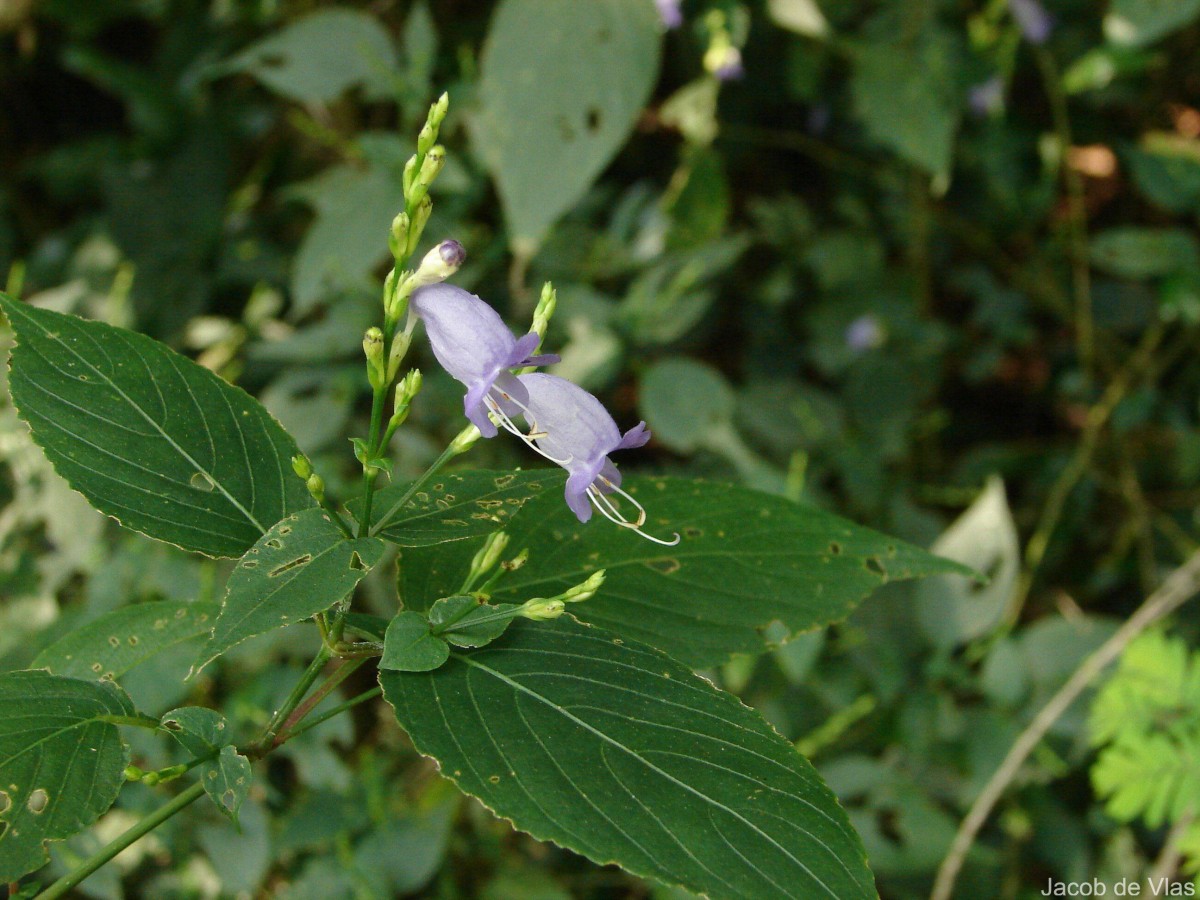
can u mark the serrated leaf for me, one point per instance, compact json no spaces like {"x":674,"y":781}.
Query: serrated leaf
{"x":408,"y":645}
{"x":317,"y":57}
{"x":745,"y":559}
{"x":204,"y":732}
{"x":561,"y":86}
{"x":62,"y":762}
{"x":458,"y":506}
{"x":147,"y":436}
{"x":124,"y":638}
{"x":616,"y":751}
{"x":299,"y":568}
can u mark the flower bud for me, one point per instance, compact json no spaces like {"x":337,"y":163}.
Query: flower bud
{"x":511,"y":565}
{"x":465,"y":440}
{"x":723,"y":60}
{"x":541,"y":609}
{"x":396,"y":354}
{"x":316,"y":487}
{"x":301,"y":466}
{"x":438,"y":264}
{"x":432,"y":165}
{"x":545,"y":309}
{"x":585,"y":590}
{"x":420,"y":217}
{"x":487,"y":556}
{"x":398,"y":236}
{"x":406,"y":390}
{"x":373,"y":348}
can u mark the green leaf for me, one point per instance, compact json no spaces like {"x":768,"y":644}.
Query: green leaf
{"x":616,"y":751}
{"x":1142,"y":22}
{"x":454,"y":507}
{"x":316,"y":58}
{"x":147,"y":436}
{"x":116,"y":642}
{"x":745,"y":560}
{"x":561,"y":86}
{"x":203,"y":732}
{"x":1156,"y":683}
{"x":1155,"y":777}
{"x":299,"y":568}
{"x":906,"y":96}
{"x":954,"y":609}
{"x":477,"y":628}
{"x":409,"y":647}
{"x":1133,"y":252}
{"x":62,"y":762}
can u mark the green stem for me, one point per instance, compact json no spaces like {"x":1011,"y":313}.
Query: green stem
{"x":329,"y":714}
{"x":345,"y":669}
{"x":448,"y":454}
{"x":370,"y":474}
{"x":306,"y":681}
{"x":115,"y":846}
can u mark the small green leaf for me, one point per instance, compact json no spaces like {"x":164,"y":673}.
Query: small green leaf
{"x":204,"y":732}
{"x":745,"y":559}
{"x":479,"y":626}
{"x":319,"y":56}
{"x":561,"y":86}
{"x":1137,"y":253}
{"x":299,"y":568}
{"x":62,"y":762}
{"x":147,"y":436}
{"x":124,"y":638}
{"x":454,"y":507}
{"x":616,"y":751}
{"x":409,"y":647}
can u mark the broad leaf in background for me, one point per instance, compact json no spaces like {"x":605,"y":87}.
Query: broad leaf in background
{"x":62,"y":762}
{"x":906,"y":96}
{"x":354,"y":205}
{"x":1133,"y":252}
{"x":204,"y":733}
{"x":622,"y":754}
{"x":560,"y":88}
{"x":150,"y":438}
{"x":1141,"y":22}
{"x":453,"y":507}
{"x":954,"y":609}
{"x":299,"y":568}
{"x":116,"y":642}
{"x":745,"y":560}
{"x":316,"y":58}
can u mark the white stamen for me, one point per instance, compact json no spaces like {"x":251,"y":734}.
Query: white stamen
{"x":508,"y":425}
{"x":610,"y":512}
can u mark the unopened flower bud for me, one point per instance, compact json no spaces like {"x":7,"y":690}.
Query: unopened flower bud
{"x":410,"y":174}
{"x":723,"y":60}
{"x":301,"y":466}
{"x":373,"y":348}
{"x":434,"y":160}
{"x":465,"y":439}
{"x":396,"y":354}
{"x":406,"y":390}
{"x":511,"y":565}
{"x":584,"y":591}
{"x":488,"y":555}
{"x":545,"y":309}
{"x":316,"y":487}
{"x":541,"y":609}
{"x":420,"y":217}
{"x":438,"y":264}
{"x":398,"y":236}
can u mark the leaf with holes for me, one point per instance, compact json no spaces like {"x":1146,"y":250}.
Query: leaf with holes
{"x":745,"y":560}
{"x":62,"y":761}
{"x":226,"y":773}
{"x":126,"y":637}
{"x":299,"y":568}
{"x":147,"y":436}
{"x":616,"y":751}
{"x":561,"y":86}
{"x":458,"y":506}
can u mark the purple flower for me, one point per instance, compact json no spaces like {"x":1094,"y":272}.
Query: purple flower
{"x":1033,"y":20}
{"x":570,"y":427}
{"x":669,"y":12}
{"x":987,"y":97}
{"x":473,"y":344}
{"x":865,"y":333}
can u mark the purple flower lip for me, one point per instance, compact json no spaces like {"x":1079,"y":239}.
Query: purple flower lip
{"x":670,"y":13}
{"x":473,"y":344}
{"x":1035,"y":23}
{"x":571,"y":428}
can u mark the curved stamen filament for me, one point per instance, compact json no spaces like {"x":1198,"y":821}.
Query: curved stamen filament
{"x":609,"y":510}
{"x":508,"y":425}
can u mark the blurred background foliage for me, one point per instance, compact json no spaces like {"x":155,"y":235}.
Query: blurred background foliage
{"x":932,"y":264}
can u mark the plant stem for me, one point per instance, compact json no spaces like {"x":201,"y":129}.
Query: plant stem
{"x":1179,"y":587}
{"x":345,"y":668}
{"x":448,"y":454}
{"x":371,"y":473}
{"x":1081,"y":278}
{"x":306,"y":681}
{"x":329,"y":714}
{"x":115,"y":846}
